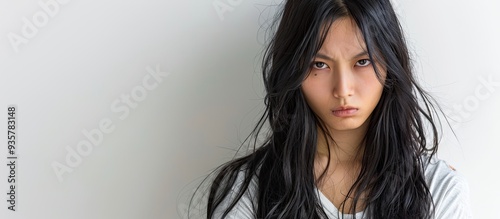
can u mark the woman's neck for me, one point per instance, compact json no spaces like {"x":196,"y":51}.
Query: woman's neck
{"x":340,"y":168}
{"x":345,"y":147}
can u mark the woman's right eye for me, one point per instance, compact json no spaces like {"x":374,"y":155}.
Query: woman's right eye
{"x":320,"y":65}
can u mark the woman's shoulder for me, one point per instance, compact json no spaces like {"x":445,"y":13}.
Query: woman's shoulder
{"x":448,"y":187}
{"x":245,"y":205}
{"x":439,"y":171}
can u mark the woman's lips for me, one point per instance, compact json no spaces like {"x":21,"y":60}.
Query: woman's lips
{"x":344,"y":111}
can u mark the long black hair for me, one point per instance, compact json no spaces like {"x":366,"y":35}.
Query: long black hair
{"x":391,"y":181}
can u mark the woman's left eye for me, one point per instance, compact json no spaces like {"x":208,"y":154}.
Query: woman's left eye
{"x":363,"y":62}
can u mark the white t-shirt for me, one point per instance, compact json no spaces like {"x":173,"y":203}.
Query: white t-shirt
{"x":449,"y":190}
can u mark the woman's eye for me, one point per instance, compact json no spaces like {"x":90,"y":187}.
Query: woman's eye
{"x":363,"y":62}
{"x":320,"y":65}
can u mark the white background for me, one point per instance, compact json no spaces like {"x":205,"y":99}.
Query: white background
{"x":66,"y":77}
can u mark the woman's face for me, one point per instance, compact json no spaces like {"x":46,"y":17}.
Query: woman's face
{"x":342,"y":88}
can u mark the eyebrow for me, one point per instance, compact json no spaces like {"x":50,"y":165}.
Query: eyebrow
{"x":323,"y":56}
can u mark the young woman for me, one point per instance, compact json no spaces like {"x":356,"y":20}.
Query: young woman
{"x":347,"y":125}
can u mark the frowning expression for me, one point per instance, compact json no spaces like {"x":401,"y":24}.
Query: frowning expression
{"x":342,"y":87}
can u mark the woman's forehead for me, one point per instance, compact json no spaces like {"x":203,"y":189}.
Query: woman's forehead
{"x":343,"y":38}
